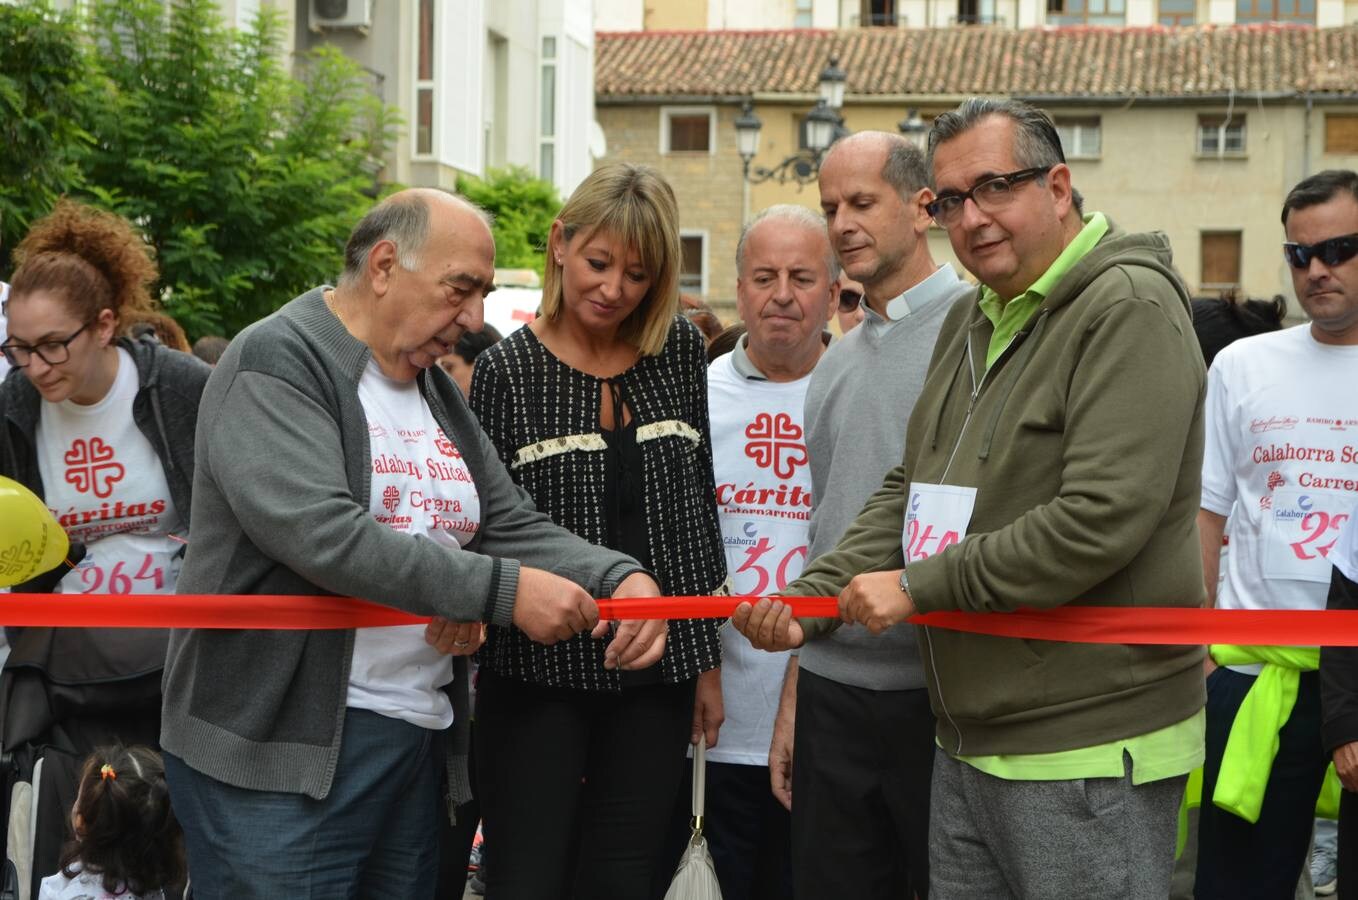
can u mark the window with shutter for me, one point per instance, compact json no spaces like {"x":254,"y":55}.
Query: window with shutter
{"x":1220,"y":259}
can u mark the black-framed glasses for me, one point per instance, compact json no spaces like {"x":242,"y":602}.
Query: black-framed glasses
{"x":991,"y":195}
{"x":1332,"y":252}
{"x":54,"y":353}
{"x":849,"y":300}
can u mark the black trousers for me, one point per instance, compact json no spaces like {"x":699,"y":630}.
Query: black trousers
{"x":1348,"y":845}
{"x":576,"y":788}
{"x":1263,"y":860}
{"x":455,"y":841}
{"x":861,"y":765}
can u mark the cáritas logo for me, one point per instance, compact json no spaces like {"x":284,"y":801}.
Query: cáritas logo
{"x":91,"y":468}
{"x":776,"y":443}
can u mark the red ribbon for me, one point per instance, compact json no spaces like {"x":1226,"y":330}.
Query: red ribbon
{"x":285,"y":612}
{"x":1160,"y":625}
{"x":1082,"y":624}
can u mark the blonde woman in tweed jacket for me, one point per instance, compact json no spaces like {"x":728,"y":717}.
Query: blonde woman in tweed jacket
{"x":599,"y":410}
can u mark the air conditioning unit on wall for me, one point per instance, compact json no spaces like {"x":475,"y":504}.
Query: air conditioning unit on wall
{"x":340,"y":14}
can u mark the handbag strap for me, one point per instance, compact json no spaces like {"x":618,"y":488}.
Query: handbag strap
{"x":699,"y":785}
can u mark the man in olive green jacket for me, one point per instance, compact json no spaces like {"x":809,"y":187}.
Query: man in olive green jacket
{"x":1053,"y":458}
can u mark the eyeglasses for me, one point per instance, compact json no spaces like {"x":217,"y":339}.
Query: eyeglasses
{"x":990,"y":195}
{"x":849,"y":300}
{"x":1332,"y":252}
{"x":54,"y":353}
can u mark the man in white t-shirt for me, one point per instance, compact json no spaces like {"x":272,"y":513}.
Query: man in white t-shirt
{"x":786,"y":292}
{"x":1281,"y":466}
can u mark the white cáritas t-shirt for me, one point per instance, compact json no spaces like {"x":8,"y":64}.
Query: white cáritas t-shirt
{"x":763,"y":483}
{"x":104,"y":483}
{"x":420,"y":486}
{"x":1281,"y":462}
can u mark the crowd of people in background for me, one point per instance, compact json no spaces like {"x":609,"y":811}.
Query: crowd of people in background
{"x":1060,"y":423}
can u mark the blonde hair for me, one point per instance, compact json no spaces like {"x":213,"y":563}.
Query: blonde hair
{"x":636,"y":206}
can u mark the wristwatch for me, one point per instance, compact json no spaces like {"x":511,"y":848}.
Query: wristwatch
{"x":904,"y":583}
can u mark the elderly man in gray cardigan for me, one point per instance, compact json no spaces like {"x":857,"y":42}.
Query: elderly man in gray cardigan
{"x":334,"y":458}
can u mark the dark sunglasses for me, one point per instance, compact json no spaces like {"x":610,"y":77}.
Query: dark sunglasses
{"x":849,"y":300}
{"x":1332,"y":252}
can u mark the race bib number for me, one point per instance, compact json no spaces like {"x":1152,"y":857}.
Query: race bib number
{"x":125,"y":567}
{"x":763,"y":555}
{"x":936,"y":517}
{"x":1302,"y":528}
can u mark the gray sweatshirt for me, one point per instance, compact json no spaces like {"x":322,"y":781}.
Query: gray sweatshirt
{"x":280,"y":506}
{"x":857,"y":406}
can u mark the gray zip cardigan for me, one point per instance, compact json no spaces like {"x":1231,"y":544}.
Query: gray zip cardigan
{"x":281,"y":497}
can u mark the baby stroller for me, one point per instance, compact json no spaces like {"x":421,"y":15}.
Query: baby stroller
{"x":65,"y":692}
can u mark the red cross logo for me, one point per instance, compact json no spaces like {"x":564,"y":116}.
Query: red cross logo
{"x":446,"y":447}
{"x":391,"y":498}
{"x":90,"y":467}
{"x":775,"y":442}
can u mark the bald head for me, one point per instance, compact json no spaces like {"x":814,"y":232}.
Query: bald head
{"x":784,"y":216}
{"x":900,"y":162}
{"x":405,"y":219}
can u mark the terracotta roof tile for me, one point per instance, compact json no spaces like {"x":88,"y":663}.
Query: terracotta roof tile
{"x":1054,"y":62}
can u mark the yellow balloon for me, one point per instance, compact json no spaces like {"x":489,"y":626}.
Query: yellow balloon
{"x":31,"y":541}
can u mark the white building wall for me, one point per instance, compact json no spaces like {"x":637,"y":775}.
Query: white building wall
{"x":825,"y":14}
{"x":750,"y":15}
{"x":1031,"y":13}
{"x":514,"y":117}
{"x":915,"y":12}
{"x":459,"y":97}
{"x":575,"y":79}
{"x":619,"y":15}
{"x":1221,"y":12}
{"x":1140,"y":13}
{"x":487,"y":81}
{"x":1329,"y":13}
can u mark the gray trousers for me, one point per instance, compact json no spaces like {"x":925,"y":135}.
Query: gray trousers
{"x":1050,"y":840}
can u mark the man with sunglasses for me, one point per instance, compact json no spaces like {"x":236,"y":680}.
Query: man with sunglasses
{"x":1282,"y":442}
{"x":850,"y":311}
{"x":854,"y":713}
{"x":1054,"y":457}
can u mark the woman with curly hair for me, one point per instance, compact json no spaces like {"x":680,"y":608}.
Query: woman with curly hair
{"x":99,"y":425}
{"x":102,"y":428}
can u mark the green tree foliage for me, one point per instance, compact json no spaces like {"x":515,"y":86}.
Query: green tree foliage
{"x":524,"y":208}
{"x":42,"y":95}
{"x":245,"y":178}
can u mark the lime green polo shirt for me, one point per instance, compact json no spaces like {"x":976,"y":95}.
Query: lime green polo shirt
{"x":1164,"y":753}
{"x":1009,"y":317}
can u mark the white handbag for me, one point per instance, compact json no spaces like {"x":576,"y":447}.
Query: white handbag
{"x":696,"y":877}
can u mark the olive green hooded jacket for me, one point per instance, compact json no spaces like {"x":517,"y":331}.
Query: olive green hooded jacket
{"x":1084,"y":441}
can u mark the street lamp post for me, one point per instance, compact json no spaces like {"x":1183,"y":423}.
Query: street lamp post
{"x":913,"y":129}
{"x":824,"y":126}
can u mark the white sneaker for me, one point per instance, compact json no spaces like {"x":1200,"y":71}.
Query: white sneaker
{"x":1324,"y":871}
